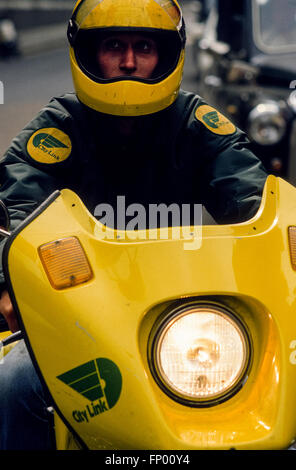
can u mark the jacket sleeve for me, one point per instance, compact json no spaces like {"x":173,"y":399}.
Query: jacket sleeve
{"x":231,"y":177}
{"x":25,"y":182}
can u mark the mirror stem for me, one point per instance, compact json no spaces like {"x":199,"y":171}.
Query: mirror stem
{"x":4,"y":233}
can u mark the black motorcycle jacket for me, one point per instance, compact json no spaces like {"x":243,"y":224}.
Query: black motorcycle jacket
{"x":188,"y":153}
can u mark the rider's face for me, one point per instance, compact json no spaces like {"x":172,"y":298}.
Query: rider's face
{"x":127,"y":54}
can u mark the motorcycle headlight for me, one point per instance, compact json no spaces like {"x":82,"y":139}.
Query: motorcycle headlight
{"x":200,"y":355}
{"x":266,"y":124}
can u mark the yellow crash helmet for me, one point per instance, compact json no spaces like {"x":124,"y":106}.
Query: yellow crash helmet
{"x":127,"y":96}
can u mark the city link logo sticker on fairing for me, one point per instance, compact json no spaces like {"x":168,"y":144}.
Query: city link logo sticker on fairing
{"x":49,"y":145}
{"x":99,"y":381}
{"x":214,"y":120}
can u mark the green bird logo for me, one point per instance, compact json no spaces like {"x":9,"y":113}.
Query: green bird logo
{"x":47,"y":141}
{"x":95,"y":379}
{"x":211,"y":119}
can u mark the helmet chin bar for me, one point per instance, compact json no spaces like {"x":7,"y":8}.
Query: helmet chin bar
{"x":127,"y":97}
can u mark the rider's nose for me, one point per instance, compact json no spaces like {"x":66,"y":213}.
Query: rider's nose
{"x":128,"y":61}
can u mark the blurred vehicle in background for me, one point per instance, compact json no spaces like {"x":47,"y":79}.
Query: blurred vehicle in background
{"x":8,"y":38}
{"x":246,"y":62}
{"x":27,"y":25}
{"x":202,"y":8}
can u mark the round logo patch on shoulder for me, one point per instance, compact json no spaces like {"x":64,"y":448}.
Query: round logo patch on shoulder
{"x":49,"y":145}
{"x":214,"y":120}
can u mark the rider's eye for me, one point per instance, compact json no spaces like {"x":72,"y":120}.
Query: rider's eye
{"x":144,"y":46}
{"x":112,"y":45}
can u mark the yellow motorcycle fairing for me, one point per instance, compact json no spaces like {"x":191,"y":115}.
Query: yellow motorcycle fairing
{"x":101,"y":328}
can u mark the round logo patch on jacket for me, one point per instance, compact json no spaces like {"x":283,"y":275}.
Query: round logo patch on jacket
{"x":49,"y":145}
{"x":214,"y":120}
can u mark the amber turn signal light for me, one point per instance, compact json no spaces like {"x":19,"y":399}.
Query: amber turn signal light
{"x":65,"y":263}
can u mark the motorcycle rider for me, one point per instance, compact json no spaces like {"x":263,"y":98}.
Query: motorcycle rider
{"x":128,"y":130}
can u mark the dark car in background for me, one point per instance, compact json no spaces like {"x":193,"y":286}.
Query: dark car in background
{"x":246,"y":64}
{"x":22,"y":22}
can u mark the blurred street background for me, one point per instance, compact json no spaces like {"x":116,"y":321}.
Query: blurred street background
{"x":37,"y":68}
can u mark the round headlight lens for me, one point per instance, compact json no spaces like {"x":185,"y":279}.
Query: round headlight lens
{"x":201,"y":354}
{"x":266,"y":124}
